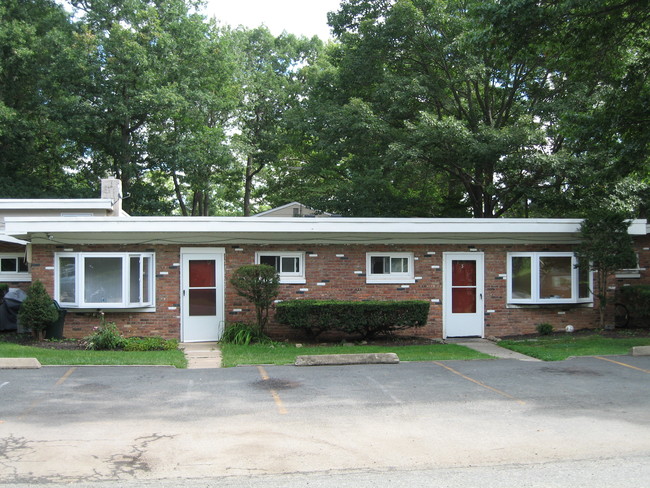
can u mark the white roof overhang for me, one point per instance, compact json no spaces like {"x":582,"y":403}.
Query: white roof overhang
{"x":272,"y":230}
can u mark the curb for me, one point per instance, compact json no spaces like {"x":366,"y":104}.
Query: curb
{"x":19,"y":363}
{"x":344,"y":359}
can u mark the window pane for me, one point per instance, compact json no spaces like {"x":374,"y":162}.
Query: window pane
{"x":379,"y":264}
{"x":203,"y":302}
{"x":290,"y":265}
{"x":463,"y":273}
{"x":134,"y":280}
{"x":146,"y":276}
{"x":103,"y":280}
{"x":521,"y":277}
{"x":202,"y":273}
{"x":8,"y":265}
{"x":583,"y":282}
{"x":463,"y":300}
{"x":555,"y":277}
{"x":22,"y":266}
{"x":67,"y":280}
{"x":399,"y":265}
{"x":271,"y":261}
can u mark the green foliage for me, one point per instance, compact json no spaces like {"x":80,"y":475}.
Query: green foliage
{"x":148,"y":344}
{"x":37,"y":310}
{"x":241,"y":333}
{"x":607,"y":246}
{"x":544,"y":329}
{"x":368,"y":318}
{"x":259,"y":284}
{"x":105,"y":337}
{"x":637,"y":300}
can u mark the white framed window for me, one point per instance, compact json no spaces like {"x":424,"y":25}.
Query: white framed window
{"x":104,"y":280}
{"x":289,"y":265}
{"x":389,"y":267}
{"x":13,"y":267}
{"x":547,"y":277}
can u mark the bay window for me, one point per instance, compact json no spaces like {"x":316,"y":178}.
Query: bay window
{"x":104,"y":280}
{"x":547,"y":277}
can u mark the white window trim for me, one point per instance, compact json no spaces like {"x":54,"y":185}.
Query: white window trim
{"x":395,"y":278}
{"x":79,"y":303}
{"x":14,"y":276}
{"x":535,"y":299}
{"x":287,"y":278}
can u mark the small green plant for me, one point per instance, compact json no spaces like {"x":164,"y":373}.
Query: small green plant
{"x":258,"y":283}
{"x":242,"y":334}
{"x":106,"y":337}
{"x":148,"y":344}
{"x":38,"y":310}
{"x":544,"y":329}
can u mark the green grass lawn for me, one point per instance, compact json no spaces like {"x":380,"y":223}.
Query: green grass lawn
{"x":50,"y":357}
{"x":234,"y":355}
{"x":558,"y":348}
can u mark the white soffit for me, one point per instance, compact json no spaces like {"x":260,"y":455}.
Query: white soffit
{"x":223,"y":230}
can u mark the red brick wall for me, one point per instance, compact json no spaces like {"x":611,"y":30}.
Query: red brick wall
{"x":340,"y":282}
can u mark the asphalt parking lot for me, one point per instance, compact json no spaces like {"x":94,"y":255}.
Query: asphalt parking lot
{"x":66,"y":425}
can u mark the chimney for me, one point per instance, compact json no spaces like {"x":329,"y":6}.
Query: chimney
{"x":112,"y":190}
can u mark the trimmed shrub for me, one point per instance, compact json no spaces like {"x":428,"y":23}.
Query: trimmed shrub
{"x":148,"y":344}
{"x":367,"y":318}
{"x":637,"y":300}
{"x":38,"y":310}
{"x":106,"y":337}
{"x":544,"y":329}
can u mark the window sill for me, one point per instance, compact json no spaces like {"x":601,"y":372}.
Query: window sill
{"x":15,"y":277}
{"x":292,"y":281}
{"x":391,"y":281}
{"x":73,"y":308}
{"x":551,"y":305}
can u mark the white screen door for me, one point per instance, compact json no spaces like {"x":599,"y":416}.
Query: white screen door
{"x":202,"y":294}
{"x":463,"y":313}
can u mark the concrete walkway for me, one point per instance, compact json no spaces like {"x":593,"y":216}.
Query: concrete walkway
{"x":202,"y":355}
{"x":488,"y":347}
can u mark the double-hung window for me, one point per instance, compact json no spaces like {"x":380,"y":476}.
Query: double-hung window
{"x":547,"y":277}
{"x":104,"y":280}
{"x":13,"y":267}
{"x":289,"y":265}
{"x":393,"y":267}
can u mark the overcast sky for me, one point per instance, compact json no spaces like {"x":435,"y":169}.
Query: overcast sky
{"x":300,"y":17}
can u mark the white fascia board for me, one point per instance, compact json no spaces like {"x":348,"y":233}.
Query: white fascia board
{"x":56,"y":204}
{"x":203,"y":230}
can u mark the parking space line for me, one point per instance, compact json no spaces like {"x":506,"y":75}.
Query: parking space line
{"x":483,"y":385}
{"x":36,"y":402}
{"x":66,"y":376}
{"x":274,"y":394}
{"x":622,"y":364}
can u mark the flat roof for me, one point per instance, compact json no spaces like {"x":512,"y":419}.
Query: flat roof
{"x":289,"y":230}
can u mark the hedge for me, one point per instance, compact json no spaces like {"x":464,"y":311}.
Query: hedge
{"x":367,"y":318}
{"x":637,"y":300}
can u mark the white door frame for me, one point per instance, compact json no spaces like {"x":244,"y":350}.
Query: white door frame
{"x":476,"y":326}
{"x":218,"y":254}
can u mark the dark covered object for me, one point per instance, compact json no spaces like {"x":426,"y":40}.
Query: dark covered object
{"x":13,"y":299}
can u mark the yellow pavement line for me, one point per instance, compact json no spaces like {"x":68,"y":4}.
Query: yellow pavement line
{"x":495,"y":390}
{"x":65,"y":376}
{"x":622,"y":364}
{"x":35,"y":403}
{"x":274,"y":394}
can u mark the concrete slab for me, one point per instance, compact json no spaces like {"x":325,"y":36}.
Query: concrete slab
{"x":640,"y":351}
{"x":341,"y":359}
{"x":202,"y":355}
{"x":488,"y":347}
{"x":19,"y":363}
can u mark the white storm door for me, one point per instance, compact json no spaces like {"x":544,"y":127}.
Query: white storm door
{"x":202,"y":294}
{"x":463,"y":314}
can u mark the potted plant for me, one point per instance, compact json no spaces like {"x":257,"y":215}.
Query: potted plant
{"x":37,"y":310}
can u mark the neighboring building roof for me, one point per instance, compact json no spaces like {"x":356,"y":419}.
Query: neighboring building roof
{"x":293,"y":209}
{"x":54,"y":204}
{"x":335,"y":230}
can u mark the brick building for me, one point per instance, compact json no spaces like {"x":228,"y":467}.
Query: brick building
{"x":169,"y":276}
